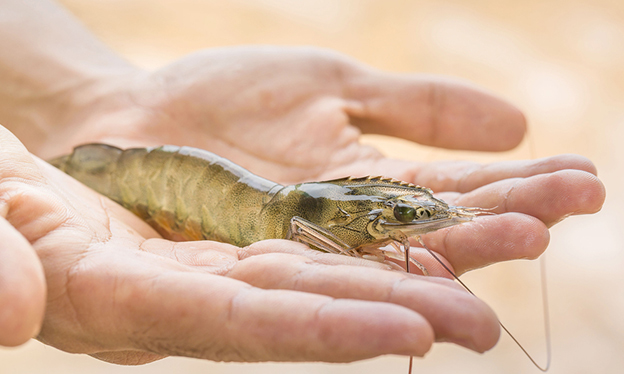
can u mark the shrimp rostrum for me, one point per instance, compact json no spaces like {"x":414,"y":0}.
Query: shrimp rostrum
{"x":191,"y":194}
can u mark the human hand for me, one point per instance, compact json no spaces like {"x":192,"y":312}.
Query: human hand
{"x":295,"y":114}
{"x":117,"y":291}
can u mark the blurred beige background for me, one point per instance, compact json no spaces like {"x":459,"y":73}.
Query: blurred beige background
{"x":561,"y":61}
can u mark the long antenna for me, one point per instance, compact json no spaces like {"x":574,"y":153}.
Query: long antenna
{"x":544,"y":302}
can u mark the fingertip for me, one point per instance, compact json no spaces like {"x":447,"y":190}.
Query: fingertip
{"x":566,"y":161}
{"x":521,"y":236}
{"x":513,"y":125}
{"x":425,"y":345}
{"x":419,"y":341}
{"x":486,"y":329}
{"x":565,"y":193}
{"x":593,"y":196}
{"x":454,"y":314}
{"x":414,"y":339}
{"x":488,"y":122}
{"x":530,"y":234}
{"x":476,"y":328}
{"x":385,"y":329}
{"x":22,"y":314}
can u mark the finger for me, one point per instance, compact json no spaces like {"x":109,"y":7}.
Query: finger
{"x":487,"y":240}
{"x":22,"y":288}
{"x":203,"y":315}
{"x":453,"y":314}
{"x":432,"y":111}
{"x":219,"y":258}
{"x":548,"y":197}
{"x":464,"y":176}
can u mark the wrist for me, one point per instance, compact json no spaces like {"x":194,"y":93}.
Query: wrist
{"x":53,"y":70}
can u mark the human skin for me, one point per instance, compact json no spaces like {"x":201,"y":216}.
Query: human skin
{"x":115,"y":290}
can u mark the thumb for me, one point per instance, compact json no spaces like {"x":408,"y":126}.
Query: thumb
{"x":22,"y":288}
{"x":22,"y":281}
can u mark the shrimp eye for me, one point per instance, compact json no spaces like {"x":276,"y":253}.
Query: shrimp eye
{"x":404,"y":213}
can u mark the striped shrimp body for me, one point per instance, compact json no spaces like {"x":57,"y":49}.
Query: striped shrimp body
{"x":191,"y":194}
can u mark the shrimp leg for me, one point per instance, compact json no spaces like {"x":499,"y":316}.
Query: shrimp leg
{"x":407,"y":258}
{"x":304,"y":231}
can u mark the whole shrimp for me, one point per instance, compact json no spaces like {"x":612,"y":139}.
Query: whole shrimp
{"x":192,"y":194}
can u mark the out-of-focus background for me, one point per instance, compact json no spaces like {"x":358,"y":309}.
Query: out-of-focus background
{"x":561,"y":61}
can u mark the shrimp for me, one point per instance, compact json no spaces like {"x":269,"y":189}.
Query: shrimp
{"x":191,"y":194}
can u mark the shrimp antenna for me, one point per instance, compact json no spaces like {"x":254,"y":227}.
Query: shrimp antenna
{"x":543,"y":368}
